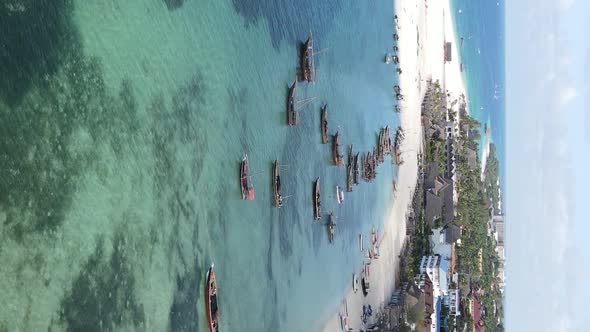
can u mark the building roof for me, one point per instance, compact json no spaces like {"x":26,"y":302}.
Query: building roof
{"x":439,"y":184}
{"x":452,"y":233}
{"x":499,"y":233}
{"x":442,"y":274}
{"x":433,"y":207}
{"x":448,"y":203}
{"x":431,"y":173}
{"x":438,"y":310}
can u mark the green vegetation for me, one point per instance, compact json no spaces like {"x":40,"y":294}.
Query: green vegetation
{"x":421,"y":246}
{"x":472,"y":214}
{"x":492,"y":173}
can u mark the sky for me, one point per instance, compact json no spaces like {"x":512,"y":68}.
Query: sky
{"x":547,"y":165}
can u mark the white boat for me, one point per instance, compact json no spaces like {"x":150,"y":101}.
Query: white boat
{"x":361,"y":242}
{"x":355,"y":283}
{"x":388,"y":58}
{"x":339,"y":195}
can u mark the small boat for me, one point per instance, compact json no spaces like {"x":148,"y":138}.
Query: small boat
{"x":211,"y":306}
{"x":355,"y":283}
{"x":388,"y":58}
{"x":307,"y":60}
{"x":350,"y":170}
{"x":317,"y":203}
{"x":331,"y":227}
{"x":339,"y":195}
{"x":361,"y":242}
{"x":336,"y":157}
{"x":278,"y":196}
{"x":356,"y":169}
{"x":247,"y":190}
{"x":324,"y":124}
{"x":292,"y":117}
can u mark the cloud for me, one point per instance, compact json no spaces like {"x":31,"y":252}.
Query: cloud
{"x":567,"y":94}
{"x":565,"y":4}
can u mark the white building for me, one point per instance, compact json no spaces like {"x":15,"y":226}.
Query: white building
{"x":454,"y":301}
{"x":436,"y":269}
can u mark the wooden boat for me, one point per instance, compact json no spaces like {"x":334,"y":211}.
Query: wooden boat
{"x":247,"y":190}
{"x":350,"y":170}
{"x":356,"y":169}
{"x":331,"y":227}
{"x":307,"y":60}
{"x":336,"y":157}
{"x":324,"y":124}
{"x":211,"y":306}
{"x":317,"y":203}
{"x":278,"y":196}
{"x":292,"y":116}
{"x":339,"y":195}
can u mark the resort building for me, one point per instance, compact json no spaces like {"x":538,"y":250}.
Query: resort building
{"x":454,"y":301}
{"x":436,"y":269}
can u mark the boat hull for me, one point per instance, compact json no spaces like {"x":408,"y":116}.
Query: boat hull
{"x":212,"y":321}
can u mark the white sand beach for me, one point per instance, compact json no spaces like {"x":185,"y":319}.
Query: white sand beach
{"x":424,"y":26}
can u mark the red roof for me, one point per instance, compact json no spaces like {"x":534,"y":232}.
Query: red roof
{"x":477,"y":319}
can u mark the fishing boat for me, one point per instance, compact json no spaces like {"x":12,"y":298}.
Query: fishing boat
{"x":349,"y":177}
{"x":336,"y":157}
{"x":278,"y":196}
{"x":211,"y":307}
{"x":339,"y":195}
{"x":247,"y":190}
{"x":350,"y":170}
{"x":331,"y":227}
{"x":307,"y":60}
{"x":356,"y":169}
{"x":292,"y":117}
{"x":317,"y":203}
{"x":324,"y":124}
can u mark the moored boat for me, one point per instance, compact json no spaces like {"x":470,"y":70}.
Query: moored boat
{"x":278,"y":196}
{"x":339,"y":195}
{"x":324,"y":124}
{"x":336,"y":157}
{"x":356,"y":169}
{"x":317,"y":203}
{"x":292,"y":117}
{"x":331,"y":227}
{"x":247,"y":190}
{"x":307,"y":60}
{"x":211,"y":305}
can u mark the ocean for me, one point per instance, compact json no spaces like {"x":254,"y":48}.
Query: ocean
{"x":481,"y":25}
{"x":123,"y":124}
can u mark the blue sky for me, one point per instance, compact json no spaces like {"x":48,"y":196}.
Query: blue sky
{"x":547,"y":165}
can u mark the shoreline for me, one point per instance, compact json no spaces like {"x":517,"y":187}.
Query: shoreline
{"x":420,"y":40}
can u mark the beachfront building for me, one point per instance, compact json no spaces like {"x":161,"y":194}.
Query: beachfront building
{"x":497,"y":230}
{"x":453,"y":301}
{"x":439,"y":198}
{"x":431,"y":303}
{"x":436,"y":269}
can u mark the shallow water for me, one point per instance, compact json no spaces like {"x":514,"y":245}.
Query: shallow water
{"x":120,"y":182}
{"x":481,"y":24}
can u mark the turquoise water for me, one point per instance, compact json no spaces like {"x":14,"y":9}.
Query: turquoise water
{"x":123,"y":126}
{"x":481,"y":24}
